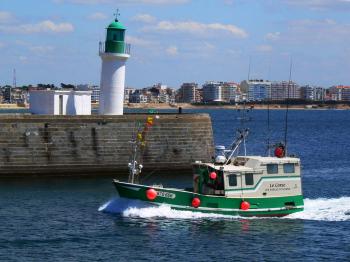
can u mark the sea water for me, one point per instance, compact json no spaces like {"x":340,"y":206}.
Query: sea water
{"x":83,"y":219}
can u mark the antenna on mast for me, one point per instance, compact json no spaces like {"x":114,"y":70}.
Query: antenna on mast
{"x":287,"y":109}
{"x":250,"y":61}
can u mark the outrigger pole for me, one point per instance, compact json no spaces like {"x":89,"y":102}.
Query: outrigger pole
{"x":242,"y":134}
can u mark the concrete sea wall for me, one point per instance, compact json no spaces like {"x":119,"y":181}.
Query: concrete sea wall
{"x":67,"y":145}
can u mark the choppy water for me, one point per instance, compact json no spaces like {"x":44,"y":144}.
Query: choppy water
{"x":82,"y":219}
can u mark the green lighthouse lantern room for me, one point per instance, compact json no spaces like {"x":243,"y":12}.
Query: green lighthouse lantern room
{"x":115,"y":38}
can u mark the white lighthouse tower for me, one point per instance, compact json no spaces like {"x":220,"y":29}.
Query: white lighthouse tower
{"x":114,"y":53}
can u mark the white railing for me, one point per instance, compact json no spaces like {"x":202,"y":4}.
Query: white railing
{"x":102,"y":48}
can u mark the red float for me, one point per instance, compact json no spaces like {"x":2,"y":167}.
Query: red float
{"x":151,"y":194}
{"x":196,"y":202}
{"x":213,"y":175}
{"x":279,"y":152}
{"x":245,"y":205}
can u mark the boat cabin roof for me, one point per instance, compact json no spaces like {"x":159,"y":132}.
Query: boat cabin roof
{"x":251,"y":164}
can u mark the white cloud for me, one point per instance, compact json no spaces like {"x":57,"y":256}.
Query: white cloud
{"x":321,"y":4}
{"x":197,"y":28}
{"x":144,"y":18}
{"x":6,"y":17}
{"x":41,"y":49}
{"x":139,"y":41}
{"x":201,"y":49}
{"x":23,"y":58}
{"x":228,"y":2}
{"x":97,"y":16}
{"x":208,"y":46}
{"x":264,"y":48}
{"x":172,"y":50}
{"x":273,"y":36}
{"x":160,"y":2}
{"x":318,"y":31}
{"x":46,"y":26}
{"x":152,"y":2}
{"x":234,"y":52}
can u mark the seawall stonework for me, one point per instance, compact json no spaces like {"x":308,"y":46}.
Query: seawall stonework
{"x":100,"y":144}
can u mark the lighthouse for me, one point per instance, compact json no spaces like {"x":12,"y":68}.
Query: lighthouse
{"x":114,"y":53}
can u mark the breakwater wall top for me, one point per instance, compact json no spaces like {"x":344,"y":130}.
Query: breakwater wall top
{"x":65,"y":145}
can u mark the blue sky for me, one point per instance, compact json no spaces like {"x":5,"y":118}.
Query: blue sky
{"x":176,"y":41}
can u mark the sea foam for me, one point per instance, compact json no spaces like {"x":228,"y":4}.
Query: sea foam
{"x":325,"y":209}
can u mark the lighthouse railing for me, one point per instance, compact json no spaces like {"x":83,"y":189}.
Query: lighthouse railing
{"x":126,"y":48}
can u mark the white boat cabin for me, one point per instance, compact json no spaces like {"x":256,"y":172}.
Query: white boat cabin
{"x":251,"y":176}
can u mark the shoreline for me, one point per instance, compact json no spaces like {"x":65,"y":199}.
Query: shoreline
{"x":191,"y":106}
{"x":235,"y":107}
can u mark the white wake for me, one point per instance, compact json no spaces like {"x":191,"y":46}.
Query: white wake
{"x":321,"y":209}
{"x":325,"y":209}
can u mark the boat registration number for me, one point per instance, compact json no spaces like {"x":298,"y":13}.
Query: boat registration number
{"x":166,"y":195}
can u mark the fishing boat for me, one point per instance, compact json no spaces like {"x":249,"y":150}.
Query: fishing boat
{"x":231,"y":184}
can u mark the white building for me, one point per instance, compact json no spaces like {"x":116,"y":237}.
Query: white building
{"x":230,"y":92}
{"x":212,"y":92}
{"x":127,"y":93}
{"x":284,"y":90}
{"x":52,"y":102}
{"x":95,"y":96}
{"x":187,"y":93}
{"x":138,"y":97}
{"x":258,"y":90}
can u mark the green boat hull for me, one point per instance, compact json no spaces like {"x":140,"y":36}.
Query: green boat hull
{"x":182,"y":200}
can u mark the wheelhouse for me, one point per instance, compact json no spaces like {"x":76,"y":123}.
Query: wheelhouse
{"x":249,"y":177}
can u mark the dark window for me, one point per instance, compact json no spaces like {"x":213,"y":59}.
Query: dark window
{"x":232,"y":180}
{"x":288,"y":168}
{"x":249,"y":179}
{"x":272,"y":168}
{"x":114,"y":37}
{"x":60,"y":104}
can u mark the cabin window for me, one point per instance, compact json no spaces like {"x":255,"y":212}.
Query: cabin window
{"x":232,"y":180}
{"x":249,"y":179}
{"x":272,"y":168}
{"x":288,"y":168}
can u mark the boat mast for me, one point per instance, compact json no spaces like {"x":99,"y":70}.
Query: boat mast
{"x":268,"y":129}
{"x":134,"y":167}
{"x":287,"y":109}
{"x":243,"y":129}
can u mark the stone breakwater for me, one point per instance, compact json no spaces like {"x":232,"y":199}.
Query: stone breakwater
{"x":65,"y":145}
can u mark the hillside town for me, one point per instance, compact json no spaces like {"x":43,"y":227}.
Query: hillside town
{"x":211,"y":92}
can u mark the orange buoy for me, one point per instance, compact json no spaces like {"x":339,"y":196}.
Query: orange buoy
{"x":151,"y":194}
{"x":245,"y":205}
{"x":213,"y":175}
{"x":196,"y":202}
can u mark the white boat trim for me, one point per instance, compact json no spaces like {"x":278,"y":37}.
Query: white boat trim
{"x":228,"y":209}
